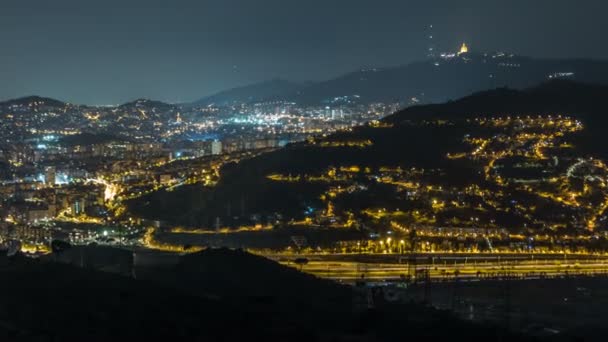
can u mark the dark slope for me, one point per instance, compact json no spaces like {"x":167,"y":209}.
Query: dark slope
{"x":264,"y":91}
{"x":553,"y":97}
{"x":43,"y":301}
{"x":33,"y":102}
{"x":240,"y":277}
{"x":238,"y":273}
{"x":146,"y":104}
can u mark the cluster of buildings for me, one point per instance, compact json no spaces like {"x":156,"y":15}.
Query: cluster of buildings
{"x":67,"y":163}
{"x":33,"y":202}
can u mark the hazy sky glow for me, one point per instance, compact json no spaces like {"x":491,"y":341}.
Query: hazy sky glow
{"x":106,"y":52}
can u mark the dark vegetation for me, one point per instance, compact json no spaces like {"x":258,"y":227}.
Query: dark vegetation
{"x":90,"y":139}
{"x":217,"y":295}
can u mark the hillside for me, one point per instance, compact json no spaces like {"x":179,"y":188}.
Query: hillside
{"x":422,"y":156}
{"x":146,"y":104}
{"x":263,"y":91}
{"x":550,"y":97}
{"x":237,"y":276}
{"x":32,"y":102}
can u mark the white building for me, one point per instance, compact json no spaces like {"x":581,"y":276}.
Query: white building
{"x":216,"y":147}
{"x":50,"y":173}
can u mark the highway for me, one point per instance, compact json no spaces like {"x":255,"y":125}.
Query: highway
{"x":350,"y":267}
{"x":447,"y":267}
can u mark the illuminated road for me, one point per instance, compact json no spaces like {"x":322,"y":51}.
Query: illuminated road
{"x":465,"y":267}
{"x":440,"y":266}
{"x":111,"y":190}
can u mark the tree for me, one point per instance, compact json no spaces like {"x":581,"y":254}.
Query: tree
{"x":301,"y":262}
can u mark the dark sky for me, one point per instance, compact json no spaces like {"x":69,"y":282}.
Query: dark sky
{"x":111,"y":51}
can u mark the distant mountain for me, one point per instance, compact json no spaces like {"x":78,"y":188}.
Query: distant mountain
{"x":33,"y":102}
{"x":147,"y":105}
{"x":442,"y":79}
{"x":37,"y":102}
{"x":268,"y":90}
{"x":430,"y":81}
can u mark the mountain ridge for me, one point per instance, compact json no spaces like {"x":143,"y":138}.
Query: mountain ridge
{"x":261,"y":91}
{"x":429,"y":81}
{"x":32,"y":100}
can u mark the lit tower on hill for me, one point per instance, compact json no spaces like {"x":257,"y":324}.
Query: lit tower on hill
{"x":463,"y":49}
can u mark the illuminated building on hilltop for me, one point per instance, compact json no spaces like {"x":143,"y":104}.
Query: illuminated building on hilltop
{"x":463,"y":49}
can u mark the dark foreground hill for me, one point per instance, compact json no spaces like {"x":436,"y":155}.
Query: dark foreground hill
{"x":237,"y":273}
{"x":240,"y":276}
{"x":44,"y":301}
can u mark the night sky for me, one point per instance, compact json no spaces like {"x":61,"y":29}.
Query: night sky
{"x":112,"y":51}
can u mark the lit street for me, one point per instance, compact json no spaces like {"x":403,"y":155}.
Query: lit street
{"x":447,"y":267}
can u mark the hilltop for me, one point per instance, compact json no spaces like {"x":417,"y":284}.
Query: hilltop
{"x":264,"y":91}
{"x":550,"y":97}
{"x":33,"y":102}
{"x":146,"y":104}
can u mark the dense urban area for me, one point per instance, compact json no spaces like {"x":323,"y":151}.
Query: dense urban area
{"x":67,"y":169}
{"x":305,"y":171}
